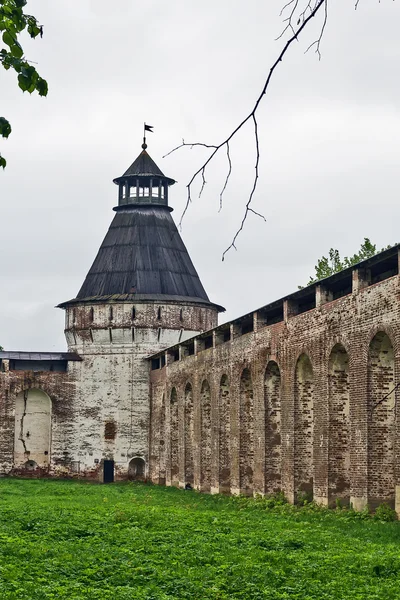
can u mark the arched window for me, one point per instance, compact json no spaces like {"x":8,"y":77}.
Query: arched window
{"x":110,"y":313}
{"x":159,"y":313}
{"x":133,"y":313}
{"x":91,"y":315}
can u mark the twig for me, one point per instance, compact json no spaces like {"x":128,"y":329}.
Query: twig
{"x":227,"y":177}
{"x":248,"y":209}
{"x":191,"y":146}
{"x":288,"y":20}
{"x":203,"y":182}
{"x":302,"y":23}
{"x":317,"y":42}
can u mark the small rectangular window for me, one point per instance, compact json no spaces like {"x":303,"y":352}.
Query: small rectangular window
{"x":155,"y":364}
{"x":208,"y":342}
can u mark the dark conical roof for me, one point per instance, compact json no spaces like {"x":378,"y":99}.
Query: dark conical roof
{"x":144,"y":166}
{"x":143,"y":257}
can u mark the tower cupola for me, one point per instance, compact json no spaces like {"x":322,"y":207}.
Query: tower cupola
{"x":143,"y":183}
{"x":142,"y":258}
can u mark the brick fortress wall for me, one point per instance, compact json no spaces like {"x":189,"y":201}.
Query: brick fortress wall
{"x":294,"y":405}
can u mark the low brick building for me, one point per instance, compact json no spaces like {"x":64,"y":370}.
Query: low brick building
{"x":299,"y":395}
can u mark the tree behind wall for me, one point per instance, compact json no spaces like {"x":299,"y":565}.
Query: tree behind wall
{"x":326,"y":267}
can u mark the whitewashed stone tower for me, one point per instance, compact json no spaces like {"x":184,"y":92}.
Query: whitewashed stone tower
{"x":141,"y":294}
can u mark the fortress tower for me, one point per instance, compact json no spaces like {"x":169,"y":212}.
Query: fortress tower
{"x":142,"y":294}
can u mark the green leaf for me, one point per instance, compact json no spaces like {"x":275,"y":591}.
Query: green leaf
{"x":3,"y":162}
{"x":23,"y":82}
{"x":42,"y":87}
{"x":33,"y":30}
{"x":16,"y":50}
{"x":28,"y":78}
{"x":20,"y":3}
{"x":8,"y":39}
{"x":5,"y":127}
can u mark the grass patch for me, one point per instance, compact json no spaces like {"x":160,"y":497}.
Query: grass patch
{"x":61,"y":539}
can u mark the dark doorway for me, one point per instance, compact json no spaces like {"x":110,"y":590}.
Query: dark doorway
{"x":108,"y":471}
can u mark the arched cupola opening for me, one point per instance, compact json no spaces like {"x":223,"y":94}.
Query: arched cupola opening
{"x":143,"y":183}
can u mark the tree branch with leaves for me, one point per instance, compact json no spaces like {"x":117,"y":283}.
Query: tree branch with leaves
{"x":327,"y":266}
{"x":14,"y":21}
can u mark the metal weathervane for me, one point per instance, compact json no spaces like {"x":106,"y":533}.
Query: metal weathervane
{"x":146,"y":128}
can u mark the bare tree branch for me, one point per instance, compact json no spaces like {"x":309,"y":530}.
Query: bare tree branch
{"x":184,"y":144}
{"x":288,"y":20}
{"x":227,"y":177}
{"x":317,"y":42}
{"x":310,"y":10}
{"x":248,"y":208}
{"x":203,"y":183}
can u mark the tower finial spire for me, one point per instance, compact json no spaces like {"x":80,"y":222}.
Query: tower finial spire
{"x":146,"y":128}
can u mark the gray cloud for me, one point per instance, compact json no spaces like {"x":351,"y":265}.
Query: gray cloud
{"x":330,"y":134}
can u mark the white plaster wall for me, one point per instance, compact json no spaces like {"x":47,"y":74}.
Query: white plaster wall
{"x":112,"y":381}
{"x":32,"y":428}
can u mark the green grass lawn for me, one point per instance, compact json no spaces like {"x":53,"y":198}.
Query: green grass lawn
{"x":62,"y":539}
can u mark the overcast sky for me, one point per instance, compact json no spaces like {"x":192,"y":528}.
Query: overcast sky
{"x":329,"y":137}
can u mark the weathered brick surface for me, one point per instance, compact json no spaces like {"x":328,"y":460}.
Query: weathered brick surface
{"x":291,"y":404}
{"x":58,"y":404}
{"x":100,"y":408}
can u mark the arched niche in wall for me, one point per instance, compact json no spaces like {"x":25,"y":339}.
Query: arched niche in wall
{"x":189,"y":435}
{"x":32,"y":432}
{"x":161,"y":443}
{"x":246,"y":433}
{"x":224,"y":437}
{"x":174,"y":438}
{"x":304,"y":428}
{"x":137,"y":469}
{"x":381,"y":421}
{"x":339,"y":425}
{"x":272,"y":406}
{"x":205,"y":445}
